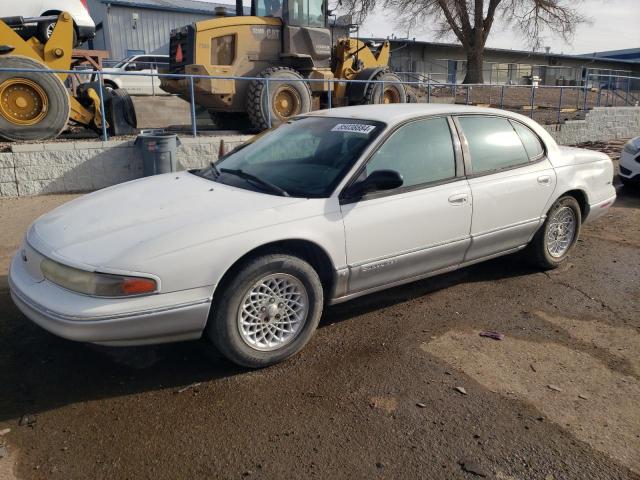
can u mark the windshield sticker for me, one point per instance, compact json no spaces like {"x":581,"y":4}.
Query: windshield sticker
{"x":354,"y":128}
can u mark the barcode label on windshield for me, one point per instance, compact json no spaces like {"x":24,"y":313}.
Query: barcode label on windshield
{"x":353,"y":128}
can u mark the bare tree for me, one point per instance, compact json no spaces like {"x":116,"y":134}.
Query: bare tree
{"x":470,"y":21}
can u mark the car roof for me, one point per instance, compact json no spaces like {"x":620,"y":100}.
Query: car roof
{"x":399,"y":112}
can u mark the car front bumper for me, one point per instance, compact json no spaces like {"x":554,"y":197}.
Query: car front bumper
{"x":160,"y":318}
{"x":629,"y":166}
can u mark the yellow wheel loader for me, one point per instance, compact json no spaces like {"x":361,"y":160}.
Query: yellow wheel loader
{"x":283,"y":41}
{"x":37,"y":106}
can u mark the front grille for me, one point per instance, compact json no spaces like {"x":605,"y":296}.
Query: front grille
{"x":182,"y":40}
{"x":625,"y":171}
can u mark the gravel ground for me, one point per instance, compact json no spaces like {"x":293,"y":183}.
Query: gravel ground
{"x":394,"y":385}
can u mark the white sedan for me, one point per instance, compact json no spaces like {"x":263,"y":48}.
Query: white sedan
{"x":330,"y":206}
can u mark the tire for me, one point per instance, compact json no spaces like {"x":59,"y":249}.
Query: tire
{"x":231,"y":120}
{"x":129,"y":109}
{"x":283,"y":82}
{"x":392,"y":91}
{"x":50,"y":121}
{"x":543,"y":247}
{"x":412,"y":97}
{"x":45,"y":29}
{"x":224,"y":326}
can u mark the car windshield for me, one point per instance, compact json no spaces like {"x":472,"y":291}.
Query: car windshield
{"x":306,"y":157}
{"x":123,"y":62}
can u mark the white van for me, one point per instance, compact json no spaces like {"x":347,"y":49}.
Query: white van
{"x":84,"y":26}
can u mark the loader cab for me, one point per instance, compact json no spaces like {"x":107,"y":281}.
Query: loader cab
{"x":297,"y":13}
{"x":306,"y":38}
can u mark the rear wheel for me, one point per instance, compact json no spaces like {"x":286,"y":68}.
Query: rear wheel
{"x":286,"y":96}
{"x":267,"y":312}
{"x":33,"y":105}
{"x":391,"y":91}
{"x":553,"y":241}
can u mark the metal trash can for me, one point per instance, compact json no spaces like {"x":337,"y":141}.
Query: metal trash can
{"x":158,"y":151}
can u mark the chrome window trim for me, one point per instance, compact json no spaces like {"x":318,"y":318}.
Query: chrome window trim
{"x":467,"y":154}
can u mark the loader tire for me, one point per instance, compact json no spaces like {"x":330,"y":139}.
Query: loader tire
{"x":392,"y":91}
{"x":129,"y":109}
{"x":287,"y":96}
{"x":33,"y":105}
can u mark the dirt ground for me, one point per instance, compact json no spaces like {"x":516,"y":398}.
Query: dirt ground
{"x":396,"y":385}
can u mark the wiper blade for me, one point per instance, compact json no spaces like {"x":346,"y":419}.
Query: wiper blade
{"x":249,"y":176}
{"x":215,"y":169}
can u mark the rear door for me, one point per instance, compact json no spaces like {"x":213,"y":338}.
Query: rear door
{"x":421,"y":227}
{"x":511,"y":181}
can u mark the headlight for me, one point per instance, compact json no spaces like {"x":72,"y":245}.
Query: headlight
{"x":98,"y":284}
{"x":631,"y":148}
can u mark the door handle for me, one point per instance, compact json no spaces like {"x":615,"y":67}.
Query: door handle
{"x":544,"y":180}
{"x":458,"y":199}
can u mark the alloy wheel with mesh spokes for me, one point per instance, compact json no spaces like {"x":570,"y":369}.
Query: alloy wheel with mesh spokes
{"x":553,"y":241}
{"x":273,"y":311}
{"x":266,"y":310}
{"x":561,"y":231}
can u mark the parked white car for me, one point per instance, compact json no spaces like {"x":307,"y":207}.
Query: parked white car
{"x":85,"y":27}
{"x":330,"y":206}
{"x":137,"y":84}
{"x":629,"y":164}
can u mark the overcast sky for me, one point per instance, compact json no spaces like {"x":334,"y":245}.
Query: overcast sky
{"x":616,"y":25}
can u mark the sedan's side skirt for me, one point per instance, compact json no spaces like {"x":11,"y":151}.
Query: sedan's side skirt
{"x":341,"y":274}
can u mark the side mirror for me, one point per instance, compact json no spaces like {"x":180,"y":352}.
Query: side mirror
{"x":131,"y":67}
{"x":377,"y":181}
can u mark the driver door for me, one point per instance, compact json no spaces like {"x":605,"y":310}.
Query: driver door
{"x":422,"y":226}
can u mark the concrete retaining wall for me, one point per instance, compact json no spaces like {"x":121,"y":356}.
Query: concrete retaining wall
{"x":62,"y":167}
{"x":600,"y":124}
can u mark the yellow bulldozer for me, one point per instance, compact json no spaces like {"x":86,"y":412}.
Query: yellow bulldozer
{"x":284,"y":41}
{"x":37,"y":106}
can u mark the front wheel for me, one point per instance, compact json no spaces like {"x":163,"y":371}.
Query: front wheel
{"x":553,"y":241}
{"x":285,"y":96}
{"x":267,"y":312}
{"x":389,"y":90}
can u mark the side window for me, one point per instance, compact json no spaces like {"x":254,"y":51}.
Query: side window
{"x":223,"y":50}
{"x":493,"y":143}
{"x":421,"y":151}
{"x":145,"y":63}
{"x":531,"y":142}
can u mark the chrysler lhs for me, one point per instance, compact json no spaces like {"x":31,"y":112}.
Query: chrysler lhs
{"x":330,"y":206}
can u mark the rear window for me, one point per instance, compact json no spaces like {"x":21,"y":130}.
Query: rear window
{"x":530,"y":140}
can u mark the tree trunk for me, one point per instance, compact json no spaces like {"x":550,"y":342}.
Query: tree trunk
{"x":475,"y":59}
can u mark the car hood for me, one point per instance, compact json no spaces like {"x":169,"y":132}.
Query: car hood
{"x":119,"y":226}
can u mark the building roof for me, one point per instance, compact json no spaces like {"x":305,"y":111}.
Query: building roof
{"x":186,"y":6}
{"x":631,"y":54}
{"x":524,"y":53}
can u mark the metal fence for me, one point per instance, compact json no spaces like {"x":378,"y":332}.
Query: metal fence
{"x":546,"y":104}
